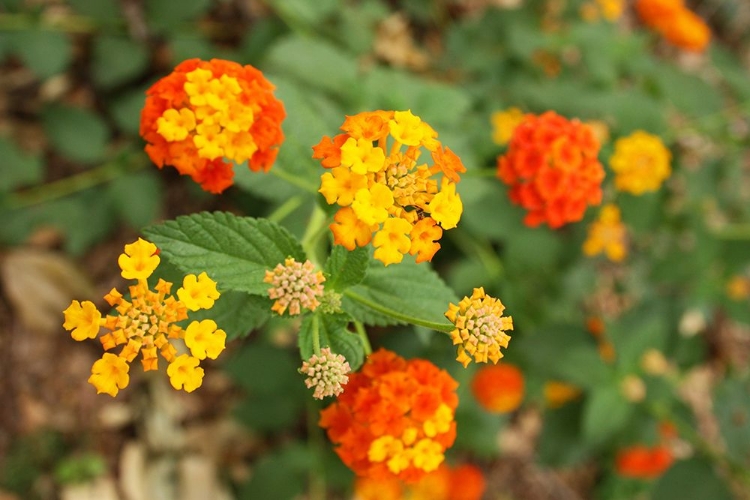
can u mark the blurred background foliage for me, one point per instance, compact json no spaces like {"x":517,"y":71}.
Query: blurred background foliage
{"x":75,"y":178}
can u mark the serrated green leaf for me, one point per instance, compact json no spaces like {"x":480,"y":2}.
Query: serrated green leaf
{"x":19,"y":167}
{"x":582,"y":365}
{"x":346,"y":268}
{"x":263,"y":370}
{"x":333,"y":333}
{"x":234,"y":251}
{"x":694,"y":479}
{"x":117,"y":60}
{"x":605,"y":413}
{"x":237,"y":313}
{"x":46,"y":53}
{"x":136,"y":197}
{"x":399,"y":294}
{"x":78,"y":134}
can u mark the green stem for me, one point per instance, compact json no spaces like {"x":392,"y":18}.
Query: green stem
{"x":73,"y":184}
{"x":480,"y":248}
{"x":315,"y":440}
{"x":316,"y":228}
{"x":440,"y":327}
{"x":734,"y":232}
{"x":363,"y":338}
{"x":294,"y":179}
{"x":316,"y":334}
{"x":26,"y":22}
{"x":286,"y":208}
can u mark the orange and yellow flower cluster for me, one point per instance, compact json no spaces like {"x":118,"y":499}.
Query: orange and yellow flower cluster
{"x":675,"y":22}
{"x":641,"y":462}
{"x":498,"y":388}
{"x":205,"y":113}
{"x":394,"y":418}
{"x":607,"y":235}
{"x":552,"y":169}
{"x":640,"y":163}
{"x":147,"y":322}
{"x":465,"y":482}
{"x":480,"y":328}
{"x":295,"y":286}
{"x":376,"y":178}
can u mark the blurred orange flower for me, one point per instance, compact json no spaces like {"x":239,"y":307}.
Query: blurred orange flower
{"x":675,"y":22}
{"x":498,"y":388}
{"x":552,"y":169}
{"x":207,"y":112}
{"x":394,"y":418}
{"x":641,"y":462}
{"x":465,"y":482}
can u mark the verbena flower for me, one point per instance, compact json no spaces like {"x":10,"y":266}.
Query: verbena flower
{"x":675,"y":22}
{"x":207,"y":113}
{"x":326,"y":372}
{"x":640,"y":163}
{"x":296,"y":286}
{"x":504,"y":123}
{"x":147,"y":323}
{"x":607,"y":235}
{"x":464,"y":482}
{"x":376,"y":177}
{"x":481,"y":328}
{"x":498,"y":388}
{"x":552,"y":169}
{"x":394,"y":418}
{"x":642,"y":462}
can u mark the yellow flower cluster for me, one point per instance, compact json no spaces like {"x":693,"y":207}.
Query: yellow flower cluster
{"x":480,"y":328}
{"x":640,"y":163}
{"x":611,"y":10}
{"x":607,"y":234}
{"x":504,"y":123}
{"x":377,"y":180}
{"x":147,"y":322}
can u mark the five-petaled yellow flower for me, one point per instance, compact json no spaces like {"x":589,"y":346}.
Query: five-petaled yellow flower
{"x":147,"y":323}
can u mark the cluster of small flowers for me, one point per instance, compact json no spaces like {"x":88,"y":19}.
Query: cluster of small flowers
{"x":207,"y":111}
{"x":465,"y":482}
{"x":552,"y":169}
{"x":326,"y":372}
{"x":383,"y":190}
{"x":643,"y":462}
{"x":675,"y":22}
{"x":611,"y":10}
{"x":295,"y":286}
{"x":498,"y":388}
{"x":394,"y":418}
{"x":147,"y":322}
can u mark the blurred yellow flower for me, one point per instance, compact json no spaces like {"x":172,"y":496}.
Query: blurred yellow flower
{"x":607,"y":234}
{"x":504,"y":123}
{"x":640,"y":163}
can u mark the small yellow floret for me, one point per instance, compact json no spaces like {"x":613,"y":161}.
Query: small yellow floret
{"x":198,"y":293}
{"x":406,"y":128}
{"x":203,"y":339}
{"x":446,"y":207}
{"x":184,"y":373}
{"x":110,"y":374}
{"x":83,"y":318}
{"x":371,"y":205}
{"x":139,"y":260}
{"x":392,"y":241}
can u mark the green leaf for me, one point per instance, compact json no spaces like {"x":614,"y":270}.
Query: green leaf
{"x":126,"y":109}
{"x":315,"y":64}
{"x":304,"y":12}
{"x":117,"y":60}
{"x":234,"y":251}
{"x":582,"y":365}
{"x":688,"y":93}
{"x":136,"y":197}
{"x":732,"y":408}
{"x":637,"y":332}
{"x":76,"y":133}
{"x":237,"y":313}
{"x":281,"y":475}
{"x":105,"y":11}
{"x":346,"y":268}
{"x":167,"y":14}
{"x":605,"y":413}
{"x":398,"y":294}
{"x":46,"y":53}
{"x":693,"y":479}
{"x":19,"y":167}
{"x":333,"y":332}
{"x":560,"y":444}
{"x":268,"y":413}
{"x":265,"y":371}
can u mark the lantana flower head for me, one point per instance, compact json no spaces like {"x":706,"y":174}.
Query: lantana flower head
{"x":675,"y":22}
{"x":395,"y":418}
{"x":552,"y":169}
{"x":326,"y":372}
{"x":607,"y":235}
{"x":504,"y":123}
{"x":640,"y":163}
{"x":498,"y":388}
{"x":383,"y":189}
{"x":206,"y":114}
{"x":464,"y":482}
{"x":296,"y":286}
{"x":481,"y":328}
{"x":643,"y":462}
{"x":146,"y":323}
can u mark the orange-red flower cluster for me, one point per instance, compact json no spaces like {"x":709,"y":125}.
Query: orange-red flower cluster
{"x":465,"y":482}
{"x":675,"y":22}
{"x":498,"y":388}
{"x":394,"y":418}
{"x":552,"y":169}
{"x":207,"y":112}
{"x":641,"y":462}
